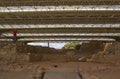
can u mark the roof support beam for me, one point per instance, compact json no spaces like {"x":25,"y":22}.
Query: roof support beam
{"x":60,"y":8}
{"x":61,"y":34}
{"x":62,"y":39}
{"x":57,"y":2}
{"x":36,"y":26}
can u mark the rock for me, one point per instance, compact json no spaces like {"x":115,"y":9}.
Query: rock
{"x":82,"y":59}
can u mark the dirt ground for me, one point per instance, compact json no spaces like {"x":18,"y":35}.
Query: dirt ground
{"x":89,"y":70}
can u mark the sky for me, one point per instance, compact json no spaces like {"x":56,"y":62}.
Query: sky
{"x":52,"y":45}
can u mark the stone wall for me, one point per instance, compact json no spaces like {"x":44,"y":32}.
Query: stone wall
{"x":38,"y":53}
{"x":88,"y":49}
{"x":8,"y":52}
{"x":21,"y":52}
{"x":111,"y":54}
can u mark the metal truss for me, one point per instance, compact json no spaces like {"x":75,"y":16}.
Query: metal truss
{"x":60,"y":8}
{"x":77,"y":39}
{"x":57,"y":2}
{"x":62,"y":39}
{"x":31,"y":26}
{"x":61,"y":17}
{"x":61,"y":34}
{"x":45,"y":14}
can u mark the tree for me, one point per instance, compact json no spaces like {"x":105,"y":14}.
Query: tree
{"x":72,"y":45}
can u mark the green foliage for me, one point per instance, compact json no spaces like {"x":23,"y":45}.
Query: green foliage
{"x":71,"y":45}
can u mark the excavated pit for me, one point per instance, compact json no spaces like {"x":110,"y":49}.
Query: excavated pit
{"x":102,"y":61}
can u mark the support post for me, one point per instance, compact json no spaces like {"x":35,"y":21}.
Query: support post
{"x":48,"y":44}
